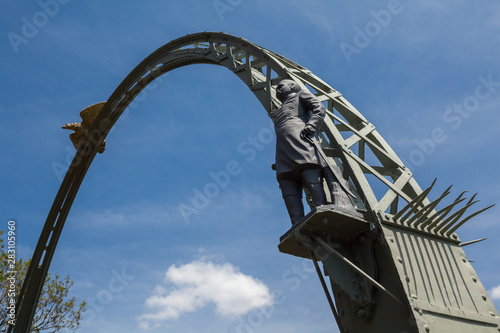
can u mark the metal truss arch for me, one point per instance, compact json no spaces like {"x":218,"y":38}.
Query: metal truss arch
{"x":348,"y":138}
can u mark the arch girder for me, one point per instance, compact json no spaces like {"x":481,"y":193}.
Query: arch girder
{"x":260,"y":69}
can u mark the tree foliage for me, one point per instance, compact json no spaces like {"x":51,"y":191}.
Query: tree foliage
{"x":55,"y":312}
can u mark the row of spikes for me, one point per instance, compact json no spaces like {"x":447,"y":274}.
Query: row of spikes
{"x":425,"y":217}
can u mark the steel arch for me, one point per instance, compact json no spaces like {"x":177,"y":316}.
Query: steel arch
{"x":348,"y":138}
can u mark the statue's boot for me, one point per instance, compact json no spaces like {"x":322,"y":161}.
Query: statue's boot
{"x":313,"y":180}
{"x":295,"y":207}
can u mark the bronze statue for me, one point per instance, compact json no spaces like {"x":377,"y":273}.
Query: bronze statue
{"x":298,"y":161}
{"x":88,"y":116}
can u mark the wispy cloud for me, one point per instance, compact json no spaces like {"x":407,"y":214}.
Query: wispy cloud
{"x":152,"y":213}
{"x":230,"y":203}
{"x":495,"y":292}
{"x":195,"y":285}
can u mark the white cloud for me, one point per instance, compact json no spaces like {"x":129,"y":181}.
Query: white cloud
{"x":200,"y":283}
{"x":495,"y":292}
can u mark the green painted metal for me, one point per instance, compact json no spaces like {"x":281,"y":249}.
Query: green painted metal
{"x":393,"y":276}
{"x":347,"y":138}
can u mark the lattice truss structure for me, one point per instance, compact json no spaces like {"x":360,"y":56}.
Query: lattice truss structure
{"x":350,"y":140}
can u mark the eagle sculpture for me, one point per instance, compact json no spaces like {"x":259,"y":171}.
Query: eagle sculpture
{"x":88,"y":116}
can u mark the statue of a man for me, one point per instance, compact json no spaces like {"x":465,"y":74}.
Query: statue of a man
{"x":298,"y":163}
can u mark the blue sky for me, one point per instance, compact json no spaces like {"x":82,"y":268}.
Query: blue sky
{"x":429,"y":66}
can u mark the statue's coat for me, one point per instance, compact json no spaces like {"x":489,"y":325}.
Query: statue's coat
{"x":294,"y":153}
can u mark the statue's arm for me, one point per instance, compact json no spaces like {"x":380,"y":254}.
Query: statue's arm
{"x":312,"y":103}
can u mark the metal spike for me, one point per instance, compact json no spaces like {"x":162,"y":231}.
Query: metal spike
{"x":450,"y":221}
{"x":449,"y":208}
{"x":418,"y":198}
{"x":429,"y":208}
{"x":436,"y":218}
{"x":472,"y":242}
{"x":424,"y":211}
{"x":415,"y":203}
{"x":470,"y":202}
{"x":459,"y":224}
{"x":446,"y":224}
{"x":403,"y":210}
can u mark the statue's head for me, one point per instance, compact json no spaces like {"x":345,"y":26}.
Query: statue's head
{"x":286,"y":87}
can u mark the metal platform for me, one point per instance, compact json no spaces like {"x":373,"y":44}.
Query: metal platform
{"x":328,"y":222}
